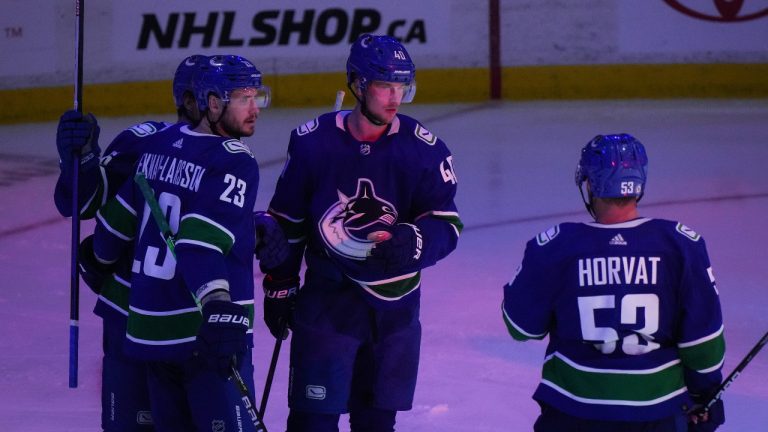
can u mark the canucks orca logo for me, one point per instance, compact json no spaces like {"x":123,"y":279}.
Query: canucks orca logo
{"x":347,"y":223}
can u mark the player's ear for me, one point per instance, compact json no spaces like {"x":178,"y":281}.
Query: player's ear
{"x":190,"y":106}
{"x":214,"y":103}
{"x":356,"y":88}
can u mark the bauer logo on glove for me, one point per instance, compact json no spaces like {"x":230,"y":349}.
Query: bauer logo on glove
{"x":229,"y":318}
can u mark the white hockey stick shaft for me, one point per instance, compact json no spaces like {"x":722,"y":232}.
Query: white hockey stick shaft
{"x":339,"y":100}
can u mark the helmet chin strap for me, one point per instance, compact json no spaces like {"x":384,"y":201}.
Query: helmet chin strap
{"x":215,"y":123}
{"x":364,"y":108}
{"x":588,"y":202}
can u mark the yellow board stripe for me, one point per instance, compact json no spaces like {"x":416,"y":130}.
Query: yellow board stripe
{"x":659,"y":81}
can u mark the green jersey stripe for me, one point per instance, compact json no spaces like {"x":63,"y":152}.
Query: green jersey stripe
{"x":515,"y":331}
{"x":119,"y":218}
{"x":115,"y":292}
{"x":294,"y":229}
{"x":200,"y":230}
{"x":170,"y":327}
{"x":393,"y":288}
{"x":627,"y":387}
{"x":452,"y":219}
{"x":98,"y":199}
{"x":613,"y":402}
{"x":706,"y":355}
{"x":165,"y":329}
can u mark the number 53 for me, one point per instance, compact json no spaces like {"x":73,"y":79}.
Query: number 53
{"x":631,"y":306}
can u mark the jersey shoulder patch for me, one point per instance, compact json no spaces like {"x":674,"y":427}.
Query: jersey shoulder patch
{"x":236,"y":146}
{"x":142,"y":130}
{"x":423,"y":134}
{"x":307,"y":127}
{"x":547,"y":236}
{"x":687,"y":232}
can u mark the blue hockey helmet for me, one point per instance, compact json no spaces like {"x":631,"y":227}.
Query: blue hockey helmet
{"x":614,"y":166}
{"x":381,"y":58}
{"x":223,"y":74}
{"x":183,"y":79}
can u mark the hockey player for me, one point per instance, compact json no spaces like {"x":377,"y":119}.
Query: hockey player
{"x":367,"y":197}
{"x":205,"y":181}
{"x":124,"y":395}
{"x":629,"y":304}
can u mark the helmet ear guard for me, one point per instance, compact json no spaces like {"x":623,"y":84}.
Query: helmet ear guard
{"x":614,"y":166}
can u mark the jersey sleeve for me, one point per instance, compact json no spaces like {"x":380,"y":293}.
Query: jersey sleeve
{"x":88,"y":186}
{"x":702,"y":343}
{"x":116,"y":225}
{"x":434,"y":210}
{"x":527,"y":308}
{"x":220,"y":215}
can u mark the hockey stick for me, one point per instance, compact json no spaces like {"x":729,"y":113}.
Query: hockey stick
{"x":718,"y":393}
{"x":74,"y":274}
{"x":157,"y":214}
{"x":272,"y":367}
{"x":167,"y":234}
{"x":256,"y":416}
{"x":339,"y":100}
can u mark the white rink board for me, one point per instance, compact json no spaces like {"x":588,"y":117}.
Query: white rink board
{"x":309,"y":36}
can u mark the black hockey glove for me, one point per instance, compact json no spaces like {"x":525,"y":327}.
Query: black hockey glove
{"x":401,"y":252}
{"x":279,"y":299}
{"x":705,"y":421}
{"x":222,"y":338}
{"x":78,"y":133}
{"x":271,"y":246}
{"x":92,"y":271}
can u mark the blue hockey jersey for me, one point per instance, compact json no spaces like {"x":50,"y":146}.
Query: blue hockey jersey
{"x":335,"y":190}
{"x":632,"y":313}
{"x":206,"y":186}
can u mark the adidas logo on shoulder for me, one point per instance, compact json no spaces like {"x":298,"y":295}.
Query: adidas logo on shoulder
{"x":617,"y":240}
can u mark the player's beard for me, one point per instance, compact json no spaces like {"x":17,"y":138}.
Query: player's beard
{"x":236,"y":129}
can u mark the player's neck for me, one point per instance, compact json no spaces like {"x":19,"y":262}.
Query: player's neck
{"x":362,"y":129}
{"x":204,"y":127}
{"x":613,"y":214}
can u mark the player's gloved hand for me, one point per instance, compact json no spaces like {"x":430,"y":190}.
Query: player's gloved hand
{"x":222,"y":338}
{"x":271,"y":245}
{"x":402,"y":251}
{"x":78,"y":133}
{"x":92,"y":271}
{"x":279,"y":299}
{"x":705,"y":421}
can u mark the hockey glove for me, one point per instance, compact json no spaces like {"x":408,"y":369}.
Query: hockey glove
{"x":78,"y":133}
{"x":222,"y":338}
{"x":92,"y":271}
{"x":401,"y":252}
{"x":279,"y":299}
{"x":705,"y":421}
{"x":271,"y":246}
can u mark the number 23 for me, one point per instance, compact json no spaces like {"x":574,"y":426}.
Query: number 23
{"x":230,"y":195}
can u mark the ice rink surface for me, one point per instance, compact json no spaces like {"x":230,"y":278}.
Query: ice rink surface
{"x":515,"y":163}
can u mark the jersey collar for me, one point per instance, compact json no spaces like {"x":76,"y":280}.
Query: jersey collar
{"x":394,"y":127}
{"x":628,"y":224}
